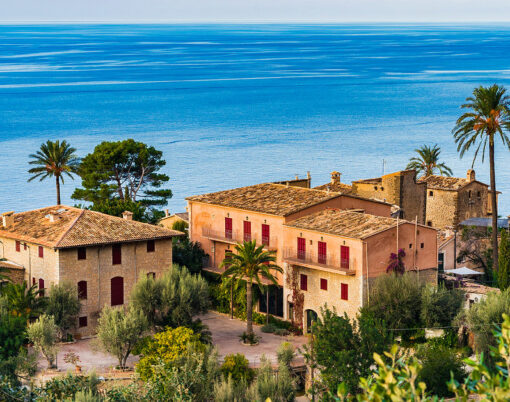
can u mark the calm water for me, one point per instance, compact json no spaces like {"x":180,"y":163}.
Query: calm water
{"x":236,"y":105}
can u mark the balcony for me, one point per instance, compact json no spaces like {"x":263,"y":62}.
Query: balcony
{"x":313,"y":260}
{"x":233,"y":237}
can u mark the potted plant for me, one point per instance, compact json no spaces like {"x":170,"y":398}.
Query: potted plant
{"x":74,"y":359}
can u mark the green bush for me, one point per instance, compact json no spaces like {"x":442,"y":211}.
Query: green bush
{"x":285,"y":353}
{"x":249,"y":338}
{"x":268,"y":328}
{"x":61,"y":388}
{"x":448,"y":339}
{"x":237,"y":367}
{"x":439,"y":364}
{"x":439,"y":306}
{"x":281,"y":332}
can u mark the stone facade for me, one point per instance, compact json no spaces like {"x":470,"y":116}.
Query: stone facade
{"x":399,"y":188}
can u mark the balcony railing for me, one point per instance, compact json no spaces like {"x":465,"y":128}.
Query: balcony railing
{"x":318,"y":261}
{"x":233,"y":237}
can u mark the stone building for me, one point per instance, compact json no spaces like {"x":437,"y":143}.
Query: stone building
{"x":399,"y":189}
{"x":451,"y":200}
{"x":101,"y":254}
{"x":269,"y":213}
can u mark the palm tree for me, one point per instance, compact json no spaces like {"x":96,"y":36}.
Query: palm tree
{"x":23,"y":300}
{"x":250,"y":263}
{"x":54,"y":159}
{"x":488,"y":118}
{"x":427,"y":162}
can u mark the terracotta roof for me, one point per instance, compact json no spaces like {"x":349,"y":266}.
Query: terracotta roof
{"x":375,"y":180}
{"x":62,"y":227}
{"x":336,"y":187}
{"x":346,"y":223}
{"x":10,"y":265}
{"x":446,"y":183}
{"x":443,"y":237}
{"x":183,"y":215}
{"x":269,"y":198}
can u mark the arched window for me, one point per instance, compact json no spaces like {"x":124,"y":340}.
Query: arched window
{"x":117,"y":291}
{"x":82,"y":290}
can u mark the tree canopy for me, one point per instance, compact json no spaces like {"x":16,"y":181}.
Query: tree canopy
{"x":427,"y":162}
{"x":123,"y":170}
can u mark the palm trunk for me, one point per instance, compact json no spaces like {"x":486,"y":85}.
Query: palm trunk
{"x":57,"y":179}
{"x":494,"y":206}
{"x":249,"y":301}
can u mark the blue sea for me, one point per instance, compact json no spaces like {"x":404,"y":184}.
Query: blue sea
{"x":233,"y":105}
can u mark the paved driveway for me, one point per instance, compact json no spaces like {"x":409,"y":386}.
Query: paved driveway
{"x":225,"y":335}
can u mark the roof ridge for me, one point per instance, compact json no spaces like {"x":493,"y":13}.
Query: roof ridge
{"x":70,"y":227}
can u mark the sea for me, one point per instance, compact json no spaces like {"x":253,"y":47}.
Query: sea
{"x":235,"y":105}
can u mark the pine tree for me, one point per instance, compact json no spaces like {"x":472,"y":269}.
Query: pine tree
{"x":504,"y":261}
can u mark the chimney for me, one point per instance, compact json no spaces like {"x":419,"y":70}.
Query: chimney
{"x":471,"y":175}
{"x":8,"y":219}
{"x":335,"y":177}
{"x":51,"y":217}
{"x":127,"y":215}
{"x":297,"y":177}
{"x":167,"y":213}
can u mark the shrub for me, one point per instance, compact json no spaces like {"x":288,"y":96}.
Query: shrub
{"x":439,"y":365}
{"x":440,"y":305}
{"x":237,"y":367}
{"x":281,"y":332}
{"x":268,"y":328}
{"x":43,"y":334}
{"x":249,"y":338}
{"x":63,"y":304}
{"x":226,"y":390}
{"x":165,"y":348}
{"x":285,"y":353}
{"x":482,"y":318}
{"x":61,"y":388}
{"x":396,"y":300}
{"x":118,"y":331}
{"x":272,"y":386}
{"x":172,"y":300}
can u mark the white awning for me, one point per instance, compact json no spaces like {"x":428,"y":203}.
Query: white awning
{"x":463,"y":271}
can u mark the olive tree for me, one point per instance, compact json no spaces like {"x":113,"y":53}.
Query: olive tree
{"x":63,"y":304}
{"x":43,"y":334}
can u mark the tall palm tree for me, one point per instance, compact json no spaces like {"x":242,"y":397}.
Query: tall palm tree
{"x":427,"y":162}
{"x":488,"y":118}
{"x":54,"y":159}
{"x":250,"y":263}
{"x":24,"y":300}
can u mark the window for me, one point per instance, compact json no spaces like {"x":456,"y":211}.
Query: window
{"x":116,"y":254}
{"x":429,"y":223}
{"x":33,"y":281}
{"x":18,"y":246}
{"x":431,"y":193}
{"x":304,"y":282}
{"x":82,"y":253}
{"x":41,"y":252}
{"x":410,"y":245}
{"x":117,"y":291}
{"x":321,"y":248}
{"x":82,"y":322}
{"x":344,"y":291}
{"x":265,"y":234}
{"x":324,"y":284}
{"x":479,"y":194}
{"x":469,"y":194}
{"x":301,"y":248}
{"x":228,"y":228}
{"x":25,"y":246}
{"x":247,"y":230}
{"x":82,"y":290}
{"x":440,"y":262}
{"x":41,"y":287}
{"x":422,"y":245}
{"x":344,"y":257}
{"x":151,"y":246}
{"x":151,"y":275}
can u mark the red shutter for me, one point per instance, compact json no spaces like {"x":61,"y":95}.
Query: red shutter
{"x":301,"y":248}
{"x":344,"y":255}
{"x":117,"y":291}
{"x":228,"y":228}
{"x":247,"y":230}
{"x":116,"y":254}
{"x":151,"y":246}
{"x":18,"y":246}
{"x":322,"y":252}
{"x":41,"y":287}
{"x":324,"y":284}
{"x":82,"y":290}
{"x":265,"y":234}
{"x":344,"y":291}
{"x":304,"y":282}
{"x":41,"y":252}
{"x":82,"y":253}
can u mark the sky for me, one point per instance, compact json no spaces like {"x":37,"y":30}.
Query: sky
{"x":189,"y":11}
